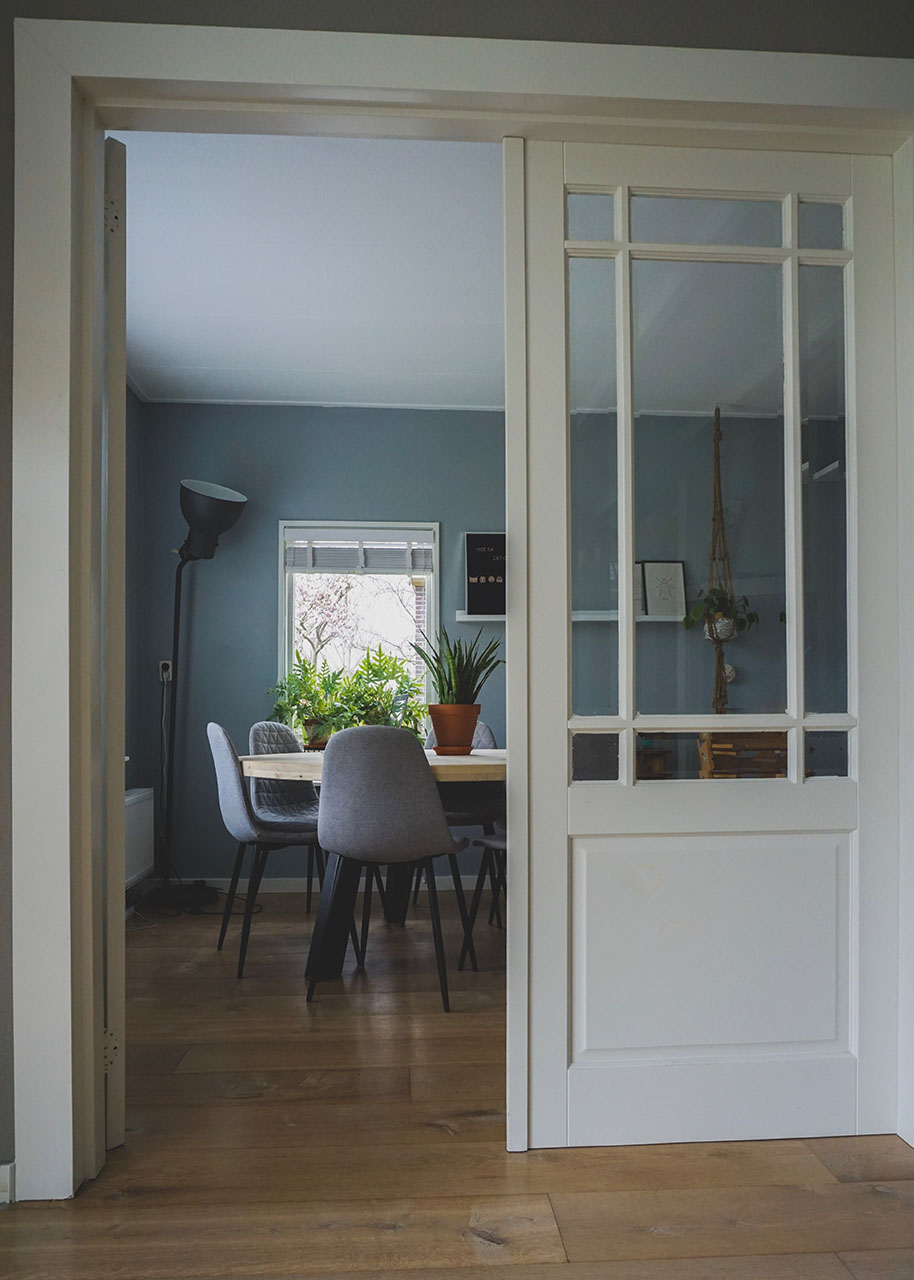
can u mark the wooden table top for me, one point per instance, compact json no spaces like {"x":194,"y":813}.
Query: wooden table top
{"x":479,"y":766}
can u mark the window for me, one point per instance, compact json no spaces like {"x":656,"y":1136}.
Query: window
{"x":348,"y":588}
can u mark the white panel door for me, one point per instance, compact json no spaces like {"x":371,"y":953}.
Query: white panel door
{"x":713,"y":942}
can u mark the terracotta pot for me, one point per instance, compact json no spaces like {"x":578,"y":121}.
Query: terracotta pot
{"x":455,"y":724}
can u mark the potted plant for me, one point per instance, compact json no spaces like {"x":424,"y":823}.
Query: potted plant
{"x":724,"y":615}
{"x":458,"y":673}
{"x":317,"y":701}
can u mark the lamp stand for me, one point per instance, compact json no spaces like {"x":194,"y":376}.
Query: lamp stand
{"x":198,"y":894}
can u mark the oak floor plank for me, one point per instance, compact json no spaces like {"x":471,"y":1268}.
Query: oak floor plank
{"x":801,"y":1266}
{"x":311,"y":1122}
{"x":889,"y":1264}
{"x":461,"y":1081}
{"x":371,"y":1085}
{"x":880,"y":1157}
{"x":340,"y":1051}
{"x":726,"y":1221}
{"x":248,"y":1240}
{"x":362,"y":1171}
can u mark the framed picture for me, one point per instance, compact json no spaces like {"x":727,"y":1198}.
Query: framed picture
{"x":485,"y":586}
{"x":664,"y":589}
{"x":640,"y":608}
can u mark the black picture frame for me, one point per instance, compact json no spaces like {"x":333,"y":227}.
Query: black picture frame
{"x":485,"y":573}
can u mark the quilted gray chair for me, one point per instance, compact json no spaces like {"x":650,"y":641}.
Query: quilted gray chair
{"x":379,"y":805}
{"x":285,"y":806}
{"x":243,"y":826}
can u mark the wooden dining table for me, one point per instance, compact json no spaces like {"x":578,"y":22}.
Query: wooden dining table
{"x":297,"y":766}
{"x":331,"y":931}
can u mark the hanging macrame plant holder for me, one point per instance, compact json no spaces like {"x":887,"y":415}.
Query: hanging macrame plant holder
{"x":719,"y":629}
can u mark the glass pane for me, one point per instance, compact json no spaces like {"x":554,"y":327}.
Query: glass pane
{"x":690,"y":220}
{"x":594,"y":540}
{"x":710,"y":755}
{"x":707,"y":334}
{"x":590,"y":216}
{"x":826,"y":755}
{"x":594,"y":757}
{"x":821,"y":226}
{"x":824,"y":487}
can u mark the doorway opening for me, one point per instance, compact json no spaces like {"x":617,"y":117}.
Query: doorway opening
{"x":319,"y":324}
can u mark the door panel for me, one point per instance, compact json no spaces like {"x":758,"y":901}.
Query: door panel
{"x":710,"y":958}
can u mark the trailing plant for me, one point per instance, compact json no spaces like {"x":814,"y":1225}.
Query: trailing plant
{"x":459,"y":670}
{"x":715,"y":605}
{"x":317,"y":701}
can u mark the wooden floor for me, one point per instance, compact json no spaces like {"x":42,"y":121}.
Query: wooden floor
{"x":364,"y":1135}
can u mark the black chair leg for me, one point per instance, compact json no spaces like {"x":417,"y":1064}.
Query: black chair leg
{"x":230,"y":899}
{"x":436,"y":932}
{"x":474,"y":906}
{"x":380,"y":883}
{"x":319,"y":853}
{"x":418,"y":885}
{"x":366,"y":914}
{"x":310,"y":878}
{"x":261,"y":852}
{"x":462,"y":908}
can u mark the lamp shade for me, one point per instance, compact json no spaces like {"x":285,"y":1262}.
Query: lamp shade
{"x":209,"y":510}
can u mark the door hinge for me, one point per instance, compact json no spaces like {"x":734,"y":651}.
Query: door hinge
{"x":114,"y":214}
{"x":112,"y":1049}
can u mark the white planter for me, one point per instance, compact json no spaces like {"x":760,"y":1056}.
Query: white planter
{"x":723,"y":629}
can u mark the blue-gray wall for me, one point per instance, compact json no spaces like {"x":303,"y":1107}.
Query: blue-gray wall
{"x":293,"y":463}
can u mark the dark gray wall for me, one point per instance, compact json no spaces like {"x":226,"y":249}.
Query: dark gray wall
{"x":293,"y":463}
{"x":882,"y":27}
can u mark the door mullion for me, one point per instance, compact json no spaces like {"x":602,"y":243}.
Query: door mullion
{"x":625,"y":443}
{"x":793,"y":488}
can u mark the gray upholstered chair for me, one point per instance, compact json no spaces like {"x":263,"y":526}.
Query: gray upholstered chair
{"x":379,"y":805}
{"x":285,"y":806}
{"x":243,"y":826}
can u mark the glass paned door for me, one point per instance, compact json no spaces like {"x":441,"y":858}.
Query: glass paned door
{"x":712,"y":454}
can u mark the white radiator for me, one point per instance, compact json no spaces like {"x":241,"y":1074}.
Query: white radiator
{"x":139,"y":853}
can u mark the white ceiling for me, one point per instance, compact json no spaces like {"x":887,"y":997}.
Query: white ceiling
{"x":314,"y":270}
{"x":286,"y":270}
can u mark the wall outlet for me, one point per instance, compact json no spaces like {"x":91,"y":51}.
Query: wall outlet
{"x":165,"y":670}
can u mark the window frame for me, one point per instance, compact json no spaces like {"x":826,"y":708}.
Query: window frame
{"x":354,"y":530}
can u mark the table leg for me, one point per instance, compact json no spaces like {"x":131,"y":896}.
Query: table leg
{"x":396,"y":892}
{"x":333,"y":921}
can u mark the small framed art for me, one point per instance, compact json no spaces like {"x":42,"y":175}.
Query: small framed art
{"x":664,"y":588}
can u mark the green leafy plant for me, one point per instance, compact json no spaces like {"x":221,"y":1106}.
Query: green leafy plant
{"x":717,"y":605}
{"x":317,"y":701}
{"x":459,"y":670}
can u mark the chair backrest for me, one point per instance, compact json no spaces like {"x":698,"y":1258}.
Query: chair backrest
{"x":269,"y":737}
{"x":379,"y":800}
{"x":483,"y":738}
{"x":233,"y":797}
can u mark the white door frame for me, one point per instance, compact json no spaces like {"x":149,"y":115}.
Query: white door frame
{"x":75,"y":78}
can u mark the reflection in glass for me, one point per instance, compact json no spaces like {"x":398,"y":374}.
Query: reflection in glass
{"x":710,"y":755}
{"x":824,"y":487}
{"x":826,"y":755}
{"x":592,"y":445}
{"x":706,"y":334}
{"x":821,"y":226}
{"x":590,"y":216}
{"x":692,"y":220}
{"x":594,"y":757}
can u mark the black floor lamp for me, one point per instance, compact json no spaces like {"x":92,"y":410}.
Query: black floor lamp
{"x":210,"y":510}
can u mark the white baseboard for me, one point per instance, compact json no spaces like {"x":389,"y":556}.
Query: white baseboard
{"x":299,"y":884}
{"x":7,"y":1183}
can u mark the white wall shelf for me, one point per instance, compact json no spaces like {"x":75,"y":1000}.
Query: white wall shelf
{"x":612,"y":615}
